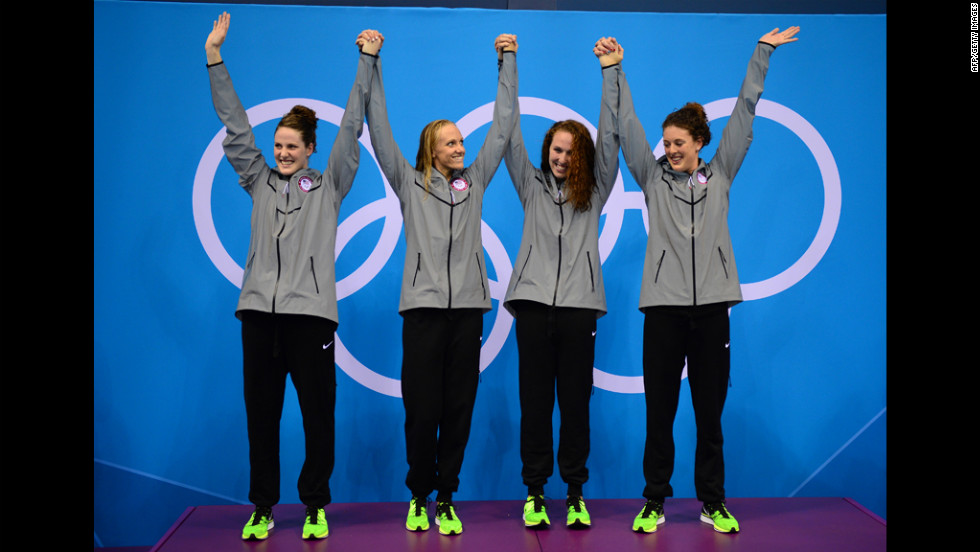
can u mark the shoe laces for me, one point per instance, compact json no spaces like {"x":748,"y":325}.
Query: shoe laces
{"x":538,"y":501}
{"x":313,"y":514}
{"x":261,"y":512}
{"x":574,"y":502}
{"x":719,"y":507}
{"x":419,"y":503}
{"x":445,"y":508}
{"x":650,"y":507}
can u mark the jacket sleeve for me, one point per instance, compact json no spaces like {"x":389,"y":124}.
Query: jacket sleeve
{"x":515,"y":157}
{"x":607,"y":136}
{"x":504,"y":113}
{"x":395,"y":167}
{"x":239,"y":142}
{"x":737,"y":136}
{"x":636,"y":150}
{"x":345,"y":153}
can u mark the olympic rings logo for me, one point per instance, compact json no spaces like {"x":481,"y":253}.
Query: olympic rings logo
{"x":615,"y":210}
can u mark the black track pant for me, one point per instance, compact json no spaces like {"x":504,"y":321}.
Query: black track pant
{"x":274,"y":345}
{"x":701,"y":334}
{"x":440,"y":373}
{"x":556,"y":350}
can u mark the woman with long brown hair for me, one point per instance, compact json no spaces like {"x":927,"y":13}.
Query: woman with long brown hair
{"x":556,"y":295}
{"x":689,"y":281}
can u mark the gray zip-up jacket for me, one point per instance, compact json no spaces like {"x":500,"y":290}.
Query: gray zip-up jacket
{"x":558,"y":263}
{"x":689,"y":259}
{"x":444,"y":261}
{"x":290,"y":266}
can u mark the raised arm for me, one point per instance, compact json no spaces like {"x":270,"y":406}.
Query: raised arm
{"x":219,"y":31}
{"x":504,"y":112}
{"x":239,"y":143}
{"x":607,"y":138}
{"x":636,"y":149}
{"x":516,"y":159}
{"x":396,"y":168}
{"x":345,"y":154}
{"x":737,"y":136}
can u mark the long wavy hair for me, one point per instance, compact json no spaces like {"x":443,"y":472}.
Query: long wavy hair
{"x":580,"y":181}
{"x":427,"y":145}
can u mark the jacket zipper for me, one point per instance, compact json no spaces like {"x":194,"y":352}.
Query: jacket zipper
{"x":694,"y":268}
{"x":561,"y":226}
{"x":449,"y":255}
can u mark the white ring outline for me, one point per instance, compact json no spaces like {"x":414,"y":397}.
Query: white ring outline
{"x":825,"y":232}
{"x":618,"y":197}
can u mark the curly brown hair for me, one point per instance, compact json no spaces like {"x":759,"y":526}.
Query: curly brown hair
{"x":580,"y":181}
{"x":693,"y":119}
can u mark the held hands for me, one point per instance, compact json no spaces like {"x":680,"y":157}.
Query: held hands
{"x":219,"y":31}
{"x":505,"y":43}
{"x":776,"y":38}
{"x":370,"y":41}
{"x":608,"y":51}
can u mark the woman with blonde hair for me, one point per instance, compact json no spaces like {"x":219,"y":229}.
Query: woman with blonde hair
{"x":556,"y":295}
{"x":445,"y":289}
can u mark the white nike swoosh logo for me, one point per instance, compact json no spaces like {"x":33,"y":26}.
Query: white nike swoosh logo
{"x":327,"y":345}
{"x":593,"y":334}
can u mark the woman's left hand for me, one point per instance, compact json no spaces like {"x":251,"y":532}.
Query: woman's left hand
{"x":777,"y":38}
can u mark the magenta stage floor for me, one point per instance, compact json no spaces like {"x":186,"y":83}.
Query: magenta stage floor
{"x":768,"y":524}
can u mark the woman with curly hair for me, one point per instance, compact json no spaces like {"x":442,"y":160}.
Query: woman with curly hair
{"x":556,"y":294}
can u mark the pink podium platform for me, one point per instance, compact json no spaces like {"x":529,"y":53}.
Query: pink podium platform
{"x":768,"y":524}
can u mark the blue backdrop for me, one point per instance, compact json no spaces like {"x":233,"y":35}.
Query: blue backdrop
{"x":806,"y":413}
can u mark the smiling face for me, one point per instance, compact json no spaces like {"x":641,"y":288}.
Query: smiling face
{"x":448,"y":152}
{"x":681,"y":149}
{"x":560,"y":154}
{"x":291,"y":153}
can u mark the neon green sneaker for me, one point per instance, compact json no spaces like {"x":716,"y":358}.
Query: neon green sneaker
{"x":578,"y":516}
{"x":418,"y":520}
{"x":534,"y":512}
{"x":446,"y":519}
{"x":717,"y":515}
{"x":649,"y":517}
{"x":315,"y":526}
{"x":259,"y":524}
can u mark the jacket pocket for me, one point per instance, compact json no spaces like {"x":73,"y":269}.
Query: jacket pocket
{"x":526,"y":259}
{"x":316,"y":286}
{"x":248,"y":269}
{"x":479,"y":273}
{"x":724,"y":261}
{"x":588,"y":256}
{"x":418,"y":267}
{"x":660,"y":264}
